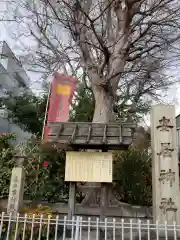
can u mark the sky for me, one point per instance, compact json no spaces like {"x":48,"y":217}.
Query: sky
{"x":173,"y":94}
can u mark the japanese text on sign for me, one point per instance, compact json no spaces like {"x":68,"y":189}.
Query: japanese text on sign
{"x":13,"y":198}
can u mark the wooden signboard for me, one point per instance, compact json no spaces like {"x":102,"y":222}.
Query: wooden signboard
{"x":88,"y":167}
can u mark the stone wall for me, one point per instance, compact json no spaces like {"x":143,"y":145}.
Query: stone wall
{"x":123,"y":210}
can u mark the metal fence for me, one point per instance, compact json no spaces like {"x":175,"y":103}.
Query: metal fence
{"x":40,"y":228}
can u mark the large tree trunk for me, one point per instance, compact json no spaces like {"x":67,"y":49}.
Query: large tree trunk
{"x":103,"y":114}
{"x":103,"y":105}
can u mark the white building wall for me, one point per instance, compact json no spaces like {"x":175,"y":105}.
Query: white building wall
{"x":14,"y":79}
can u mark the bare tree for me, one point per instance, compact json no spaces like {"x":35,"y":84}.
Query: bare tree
{"x":124,"y":47}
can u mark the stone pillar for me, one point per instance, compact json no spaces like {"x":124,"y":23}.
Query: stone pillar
{"x":165,"y":169}
{"x":16,"y":190}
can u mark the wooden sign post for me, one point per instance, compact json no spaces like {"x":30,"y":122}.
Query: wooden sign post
{"x":87,"y":167}
{"x":72,"y":199}
{"x":90,"y":167}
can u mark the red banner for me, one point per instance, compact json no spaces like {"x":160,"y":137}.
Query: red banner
{"x":62,"y":90}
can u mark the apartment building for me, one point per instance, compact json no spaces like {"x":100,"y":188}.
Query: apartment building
{"x":14,"y":79}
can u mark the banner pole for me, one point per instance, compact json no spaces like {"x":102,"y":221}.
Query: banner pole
{"x":45,"y":116}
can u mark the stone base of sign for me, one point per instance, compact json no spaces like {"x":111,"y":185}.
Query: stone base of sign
{"x":165,"y":170}
{"x":15,"y":200}
{"x":93,"y":195}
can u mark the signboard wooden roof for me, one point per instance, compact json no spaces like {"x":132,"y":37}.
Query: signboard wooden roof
{"x":111,"y":136}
